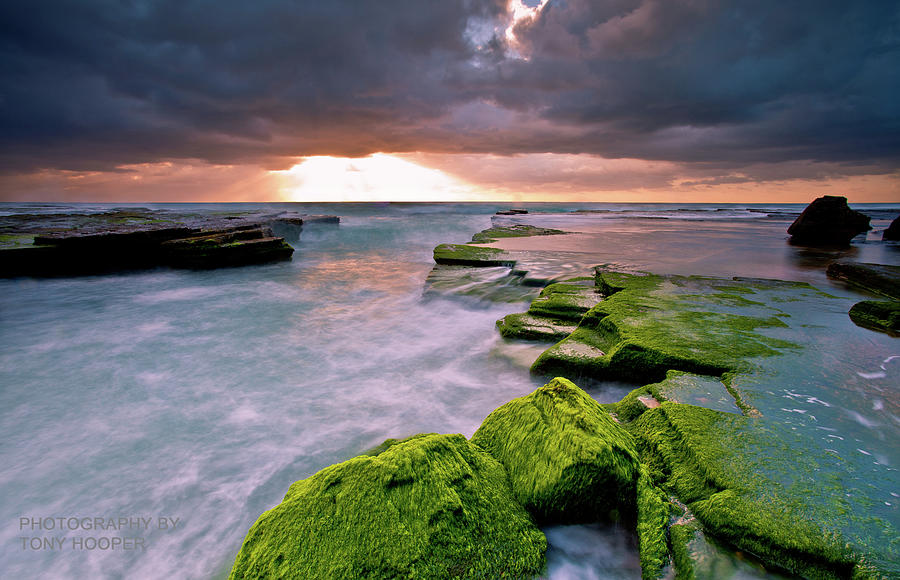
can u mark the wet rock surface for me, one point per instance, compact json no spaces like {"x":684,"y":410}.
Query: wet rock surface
{"x":877,"y":278}
{"x":131,"y":239}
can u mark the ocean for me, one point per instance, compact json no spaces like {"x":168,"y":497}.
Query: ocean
{"x":171,"y":408}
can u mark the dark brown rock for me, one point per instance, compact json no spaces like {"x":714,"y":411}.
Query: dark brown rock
{"x":119,"y":240}
{"x":893,"y":231}
{"x":828,"y":221}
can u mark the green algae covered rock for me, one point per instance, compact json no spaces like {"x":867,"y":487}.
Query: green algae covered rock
{"x":554,"y":314}
{"x":746,"y":483}
{"x":882,"y":315}
{"x":512,"y":231}
{"x":430,"y":506}
{"x":568,"y":460}
{"x":653,"y":510}
{"x":465,"y":255}
{"x":656,"y":323}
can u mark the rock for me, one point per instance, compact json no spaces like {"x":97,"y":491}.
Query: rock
{"x":554,"y":314}
{"x":431,"y":506}
{"x":130,"y":239}
{"x":512,"y":211}
{"x":653,"y":324}
{"x":893,"y":231}
{"x":883,"y":316}
{"x":828,"y":221}
{"x":224,"y":249}
{"x":513,"y":231}
{"x":524,"y":326}
{"x":465,"y":255}
{"x":877,"y":278}
{"x":75,"y":253}
{"x":568,"y":460}
{"x":744,"y":481}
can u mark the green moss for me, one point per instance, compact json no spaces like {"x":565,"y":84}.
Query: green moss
{"x":631,"y":407}
{"x":432,"y":506}
{"x":564,"y":301}
{"x":16,"y":240}
{"x":465,"y":255}
{"x":602,"y":286}
{"x":681,"y":535}
{"x":744,"y":481}
{"x":656,"y":323}
{"x":527,"y":327}
{"x":653,"y":511}
{"x":512,"y":231}
{"x":568,"y":460}
{"x":388,"y":443}
{"x":554,"y":314}
{"x":882,"y":315}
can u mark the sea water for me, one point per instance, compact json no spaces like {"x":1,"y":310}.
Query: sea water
{"x":169,"y":409}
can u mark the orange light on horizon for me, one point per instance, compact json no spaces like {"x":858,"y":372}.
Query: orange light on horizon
{"x":378,"y":177}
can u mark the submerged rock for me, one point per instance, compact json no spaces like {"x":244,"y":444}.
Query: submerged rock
{"x":828,"y":220}
{"x":431,"y":506}
{"x":878,"y":278}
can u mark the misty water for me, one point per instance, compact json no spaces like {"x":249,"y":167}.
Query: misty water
{"x":198,"y":397}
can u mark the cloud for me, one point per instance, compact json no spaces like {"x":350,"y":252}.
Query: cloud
{"x":90,"y":85}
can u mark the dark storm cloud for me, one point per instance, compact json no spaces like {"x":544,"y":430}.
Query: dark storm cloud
{"x":91,"y":84}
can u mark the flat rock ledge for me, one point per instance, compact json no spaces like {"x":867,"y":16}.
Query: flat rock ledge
{"x":120,"y":240}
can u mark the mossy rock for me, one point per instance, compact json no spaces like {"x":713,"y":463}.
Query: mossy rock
{"x":746,"y":483}
{"x":568,"y":460}
{"x":569,"y":300}
{"x":524,"y":326}
{"x":430,"y":506}
{"x":464,"y":255}
{"x":652,"y":324}
{"x":881,"y":315}
{"x":512,"y":231}
{"x":554,"y":314}
{"x":653,"y":510}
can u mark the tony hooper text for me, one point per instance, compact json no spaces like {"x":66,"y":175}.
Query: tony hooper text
{"x":90,"y":533}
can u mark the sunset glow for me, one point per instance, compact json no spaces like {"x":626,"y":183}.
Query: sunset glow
{"x":378,"y":177}
{"x":636,"y":100}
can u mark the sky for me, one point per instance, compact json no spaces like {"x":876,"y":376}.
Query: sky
{"x":431,"y":100}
